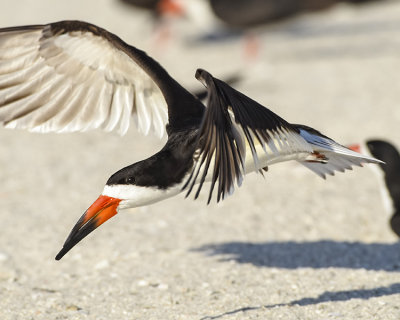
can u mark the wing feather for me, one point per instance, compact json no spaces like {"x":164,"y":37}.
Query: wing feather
{"x":142,"y":112}
{"x":233,"y":123}
{"x":337,"y":157}
{"x":95,"y":79}
{"x":158,"y":115}
{"x":18,"y":63}
{"x":39,"y":118}
{"x":126,"y":110}
{"x":114,"y":115}
{"x":65,"y":120}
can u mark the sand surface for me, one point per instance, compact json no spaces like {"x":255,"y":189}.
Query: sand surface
{"x":290,"y":246}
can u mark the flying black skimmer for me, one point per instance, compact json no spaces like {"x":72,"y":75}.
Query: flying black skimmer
{"x":74,"y":76}
{"x":390,"y":175}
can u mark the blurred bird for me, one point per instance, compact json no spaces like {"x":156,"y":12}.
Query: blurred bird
{"x":226,"y":19}
{"x":244,"y":13}
{"x":74,"y":76}
{"x":389,"y":173}
{"x":163,"y":14}
{"x":157,"y":7}
{"x":143,"y":4}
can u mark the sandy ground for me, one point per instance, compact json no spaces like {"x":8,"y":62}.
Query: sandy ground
{"x":290,"y":246}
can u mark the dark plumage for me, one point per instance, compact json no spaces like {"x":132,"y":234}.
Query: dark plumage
{"x":388,"y":153}
{"x":245,"y":13}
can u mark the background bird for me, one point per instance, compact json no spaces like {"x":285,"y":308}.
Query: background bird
{"x":389,"y":173}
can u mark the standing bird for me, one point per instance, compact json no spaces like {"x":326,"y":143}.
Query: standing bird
{"x":390,"y":175}
{"x":245,"y":13}
{"x":217,"y":20}
{"x":162,"y":13}
{"x":74,"y":76}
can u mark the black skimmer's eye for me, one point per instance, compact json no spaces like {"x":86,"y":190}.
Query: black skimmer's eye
{"x":371,"y":146}
{"x":130,"y":180}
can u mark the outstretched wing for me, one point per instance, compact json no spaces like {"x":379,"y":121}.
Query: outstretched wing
{"x":233,"y":123}
{"x":74,"y":76}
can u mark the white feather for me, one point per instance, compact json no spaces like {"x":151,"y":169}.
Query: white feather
{"x":338,"y":157}
{"x":106,"y":87}
{"x":115,"y":109}
{"x":142,"y":112}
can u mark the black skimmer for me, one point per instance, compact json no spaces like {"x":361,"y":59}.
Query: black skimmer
{"x":250,"y":13}
{"x":145,"y":4}
{"x":74,"y":76}
{"x":244,"y":13}
{"x":163,"y":12}
{"x":219,"y":20}
{"x":390,"y":174}
{"x":157,"y":7}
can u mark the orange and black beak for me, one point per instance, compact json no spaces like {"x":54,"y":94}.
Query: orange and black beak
{"x":355,"y":147}
{"x":170,"y":7}
{"x":99,"y":212}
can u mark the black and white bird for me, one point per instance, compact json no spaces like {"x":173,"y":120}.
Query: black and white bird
{"x":245,"y":13}
{"x":389,"y":176}
{"x":74,"y":76}
{"x":240,"y":14}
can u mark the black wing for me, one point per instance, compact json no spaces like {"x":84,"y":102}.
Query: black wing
{"x":233,"y":123}
{"x":75,"y":76}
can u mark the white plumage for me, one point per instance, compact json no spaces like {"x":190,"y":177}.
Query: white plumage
{"x":74,"y":82}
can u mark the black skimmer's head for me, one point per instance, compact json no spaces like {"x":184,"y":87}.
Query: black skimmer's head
{"x":139,"y":184}
{"x":389,"y":176}
{"x":385,"y":151}
{"x":388,"y":153}
{"x":74,"y":76}
{"x":115,"y":196}
{"x":158,"y":7}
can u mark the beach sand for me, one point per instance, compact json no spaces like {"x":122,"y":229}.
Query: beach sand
{"x":287,"y":246}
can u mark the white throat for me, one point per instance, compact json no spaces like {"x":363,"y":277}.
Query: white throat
{"x":135,"y":196}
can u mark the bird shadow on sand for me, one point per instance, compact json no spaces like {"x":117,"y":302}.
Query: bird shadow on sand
{"x":317,"y":255}
{"x":313,"y":254}
{"x":327,"y":296}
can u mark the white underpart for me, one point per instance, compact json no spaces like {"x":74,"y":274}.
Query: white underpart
{"x":284,"y":145}
{"x":74,"y":82}
{"x":136,"y":196}
{"x":380,"y":177}
{"x":200,"y":13}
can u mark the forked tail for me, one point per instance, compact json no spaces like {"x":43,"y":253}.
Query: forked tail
{"x":328,"y":155}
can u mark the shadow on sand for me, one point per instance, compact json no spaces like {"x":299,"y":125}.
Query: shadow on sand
{"x":324,"y":297}
{"x":317,"y":254}
{"x":314,"y":254}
